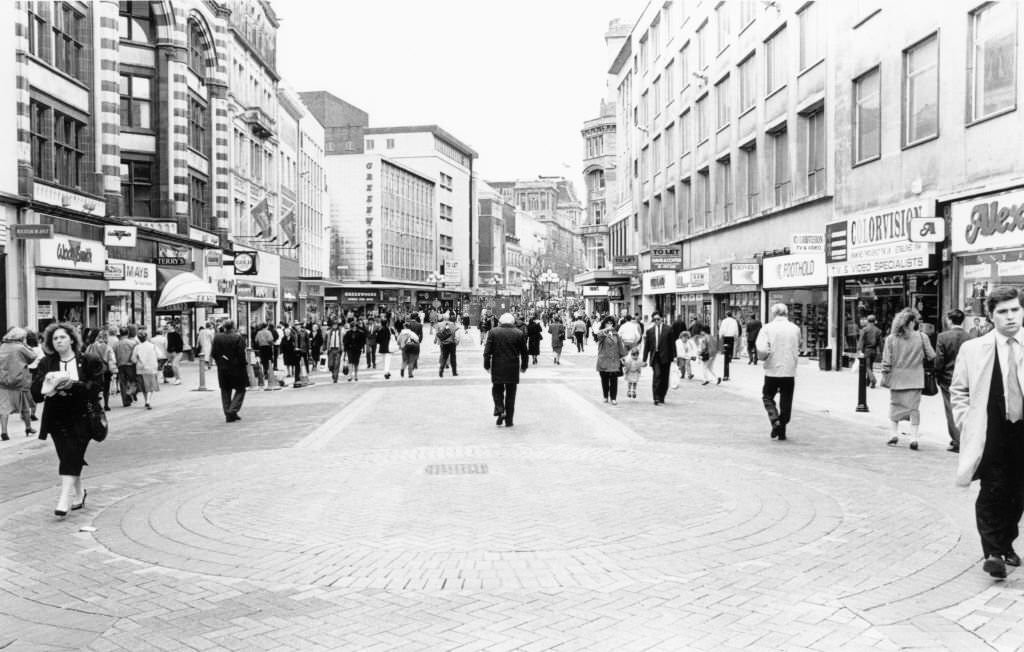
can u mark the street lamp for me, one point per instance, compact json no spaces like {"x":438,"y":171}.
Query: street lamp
{"x":547,"y":278}
{"x":436,"y":279}
{"x":497,"y":281}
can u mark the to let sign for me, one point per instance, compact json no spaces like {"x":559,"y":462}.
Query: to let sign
{"x":666,"y":257}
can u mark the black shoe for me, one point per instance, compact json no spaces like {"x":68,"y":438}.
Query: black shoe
{"x":440,"y":374}
{"x":953,"y":448}
{"x":4,"y":437}
{"x":725,"y":378}
{"x":719,"y":381}
{"x":35,"y":418}
{"x":705,"y":382}
{"x":781,"y":436}
{"x":402,"y":373}
{"x":775,"y":431}
{"x":454,"y":374}
{"x":995,"y":566}
{"x":387,"y":376}
{"x":500,"y":420}
{"x":508,"y":424}
{"x":85,"y":494}
{"x":106,"y":408}
{"x":1011,"y":559}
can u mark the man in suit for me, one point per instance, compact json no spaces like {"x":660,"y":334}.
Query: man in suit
{"x":988,"y":408}
{"x":659,"y":353}
{"x":505,"y":356}
{"x":946,"y":349}
{"x":228,"y":352}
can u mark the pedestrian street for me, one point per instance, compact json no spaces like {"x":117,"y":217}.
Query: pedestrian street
{"x":395,"y":515}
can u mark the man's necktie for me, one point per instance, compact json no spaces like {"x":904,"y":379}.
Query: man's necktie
{"x":1014,"y":398}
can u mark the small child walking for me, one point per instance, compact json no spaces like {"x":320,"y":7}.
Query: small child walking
{"x":631,"y":366}
{"x":686,"y":354}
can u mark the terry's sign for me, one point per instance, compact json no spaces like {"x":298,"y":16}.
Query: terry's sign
{"x":993,"y":222}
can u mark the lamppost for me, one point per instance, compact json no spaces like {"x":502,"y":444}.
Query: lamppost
{"x":436,"y":279}
{"x":497,"y":281}
{"x":547,"y":278}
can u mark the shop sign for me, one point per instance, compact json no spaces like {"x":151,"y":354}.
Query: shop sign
{"x":928,"y":229}
{"x":73,"y":253}
{"x":659,"y":282}
{"x":369,"y":216}
{"x":253,"y":291}
{"x":877,"y":242}
{"x":452,"y":275}
{"x":114,"y":272}
{"x":669,"y":257}
{"x":615,"y":293}
{"x":116,"y":235}
{"x":745,"y":273}
{"x":359,"y":296}
{"x":213,"y":258}
{"x":203,"y":236}
{"x":44,"y":311}
{"x":225,"y":286}
{"x":595,"y":291}
{"x":625,"y":264}
{"x":694,"y":280}
{"x":993,"y":222}
{"x":807,"y":242}
{"x":313,"y":291}
{"x":168,"y":255}
{"x":795,"y":270}
{"x":31,"y":231}
{"x":136,"y":276}
{"x":245,"y":263}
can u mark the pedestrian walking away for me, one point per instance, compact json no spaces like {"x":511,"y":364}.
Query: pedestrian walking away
{"x":372,"y":329}
{"x":534,"y":334}
{"x":505,"y":356}
{"x":68,"y":381}
{"x":101,"y":349}
{"x":446,"y":336}
{"x":228,"y":352}
{"x":126,"y":381}
{"x":778,"y":345}
{"x":753,"y":328}
{"x":264,"y":342}
{"x":175,"y":349}
{"x":316,"y":345}
{"x":659,"y":352}
{"x":557,"y":332}
{"x":947,"y":347}
{"x":905,"y":352}
{"x":707,"y":352}
{"x":728,"y":331}
{"x":579,"y":331}
{"x":409,"y":344}
{"x":15,"y":380}
{"x":145,"y":358}
{"x":869,"y":343}
{"x":988,"y":408}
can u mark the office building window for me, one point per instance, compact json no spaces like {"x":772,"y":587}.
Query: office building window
{"x":656,"y":37}
{"x":40,"y":130}
{"x":702,"y":119}
{"x":390,"y":143}
{"x":645,"y":114}
{"x":656,"y":93}
{"x":702,"y":47}
{"x":198,"y":201}
{"x":703,"y":207}
{"x":992,"y":59}
{"x":198,"y":124}
{"x":867,"y":124}
{"x":685,"y":126}
{"x":137,"y":187}
{"x":724,"y":28}
{"x":68,"y":35}
{"x":446,"y":243}
{"x":725,"y":194}
{"x":197,"y":50}
{"x":447,"y":213}
{"x":135,"y":21}
{"x":780,"y":167}
{"x":921,"y":91}
{"x":136,"y":102}
{"x":644,"y":54}
{"x":751,"y":182}
{"x":815,"y":160}
{"x":645,"y":163}
{"x":685,"y":207}
{"x":775,"y":62}
{"x":656,"y":154}
{"x":812,"y":35}
{"x":747,"y":12}
{"x":684,"y":65}
{"x":68,"y":150}
{"x":748,"y":87}
{"x":669,"y":77}
{"x":724,"y":102}
{"x":669,"y":144}
{"x":369,"y":144}
{"x":38,"y":32}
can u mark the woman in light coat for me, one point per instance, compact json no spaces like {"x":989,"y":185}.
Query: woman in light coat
{"x":903,"y":357}
{"x":144,"y":356}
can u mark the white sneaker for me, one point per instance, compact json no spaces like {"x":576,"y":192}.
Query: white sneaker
{"x":177,"y":381}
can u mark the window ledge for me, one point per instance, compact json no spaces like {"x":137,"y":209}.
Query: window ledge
{"x":137,"y":130}
{"x":867,"y":17}
{"x":920,"y":141}
{"x":810,"y":67}
{"x":747,"y":110}
{"x":857,"y":164}
{"x":775,"y":92}
{"x":49,"y":66}
{"x":725,"y":127}
{"x":746,"y":27}
{"x":1001,"y":112}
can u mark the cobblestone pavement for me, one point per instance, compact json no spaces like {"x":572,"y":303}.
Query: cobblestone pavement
{"x":395,"y":515}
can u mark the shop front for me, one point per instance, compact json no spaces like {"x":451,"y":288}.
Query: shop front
{"x":876,"y":269}
{"x":356,"y":302}
{"x":694,"y":298}
{"x":290,"y":290}
{"x":659,"y":292}
{"x":604,"y":290}
{"x":735,"y":288}
{"x":69,"y":282}
{"x":800,"y":281}
{"x":130,"y":297}
{"x":257,"y":304}
{"x":987,"y":245}
{"x":311,"y":301}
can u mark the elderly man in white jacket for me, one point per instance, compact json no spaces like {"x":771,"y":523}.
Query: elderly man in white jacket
{"x":778,"y":344}
{"x":988,"y":407}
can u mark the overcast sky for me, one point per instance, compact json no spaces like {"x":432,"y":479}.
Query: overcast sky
{"x":513,"y":80}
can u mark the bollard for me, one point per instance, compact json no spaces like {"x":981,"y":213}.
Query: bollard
{"x":202,"y":377}
{"x":862,"y":386}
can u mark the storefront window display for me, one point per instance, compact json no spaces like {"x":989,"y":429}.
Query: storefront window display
{"x":883,"y":297}
{"x":980,"y":274}
{"x":808,"y":309}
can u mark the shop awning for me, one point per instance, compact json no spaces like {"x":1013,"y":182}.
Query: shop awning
{"x":187,"y":289}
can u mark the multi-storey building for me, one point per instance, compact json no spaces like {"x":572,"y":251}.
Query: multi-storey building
{"x":727,"y":106}
{"x":115,"y":106}
{"x":902,"y":153}
{"x":493,"y":213}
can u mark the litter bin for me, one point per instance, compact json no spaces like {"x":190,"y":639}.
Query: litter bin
{"x":825,"y":359}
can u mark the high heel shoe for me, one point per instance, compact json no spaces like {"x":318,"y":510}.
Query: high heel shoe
{"x":85,"y":494}
{"x":913,"y":445}
{"x":893,"y":441}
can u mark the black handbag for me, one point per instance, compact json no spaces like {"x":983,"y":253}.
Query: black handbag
{"x":95,"y":421}
{"x":931,"y":388}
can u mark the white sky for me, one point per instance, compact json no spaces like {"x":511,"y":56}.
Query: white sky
{"x":513,"y":80}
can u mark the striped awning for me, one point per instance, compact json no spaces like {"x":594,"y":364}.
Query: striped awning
{"x":187,"y":289}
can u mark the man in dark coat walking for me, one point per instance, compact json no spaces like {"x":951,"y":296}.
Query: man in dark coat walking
{"x":505,"y":356}
{"x":659,"y":352}
{"x":228,"y":353}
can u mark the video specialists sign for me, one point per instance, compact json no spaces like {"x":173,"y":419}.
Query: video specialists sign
{"x":877,"y":242}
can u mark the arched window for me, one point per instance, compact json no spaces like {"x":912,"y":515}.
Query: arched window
{"x":135,"y":21}
{"x":197,"y":49}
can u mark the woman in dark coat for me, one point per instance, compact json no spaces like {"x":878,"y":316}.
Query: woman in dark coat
{"x":316,"y":344}
{"x":385,"y":334}
{"x":610,"y":351}
{"x":534,"y":334}
{"x":289,"y":352}
{"x":77,"y":382}
{"x":354,"y":341}
{"x":557,"y":332}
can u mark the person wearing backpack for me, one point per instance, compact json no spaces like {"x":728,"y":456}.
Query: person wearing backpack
{"x":409,"y":345}
{"x":446,"y":337}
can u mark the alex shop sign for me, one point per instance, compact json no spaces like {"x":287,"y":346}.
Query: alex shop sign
{"x":63,"y":252}
{"x":992,"y":222}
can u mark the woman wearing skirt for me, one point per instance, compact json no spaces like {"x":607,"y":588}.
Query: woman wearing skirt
{"x":906,"y":350}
